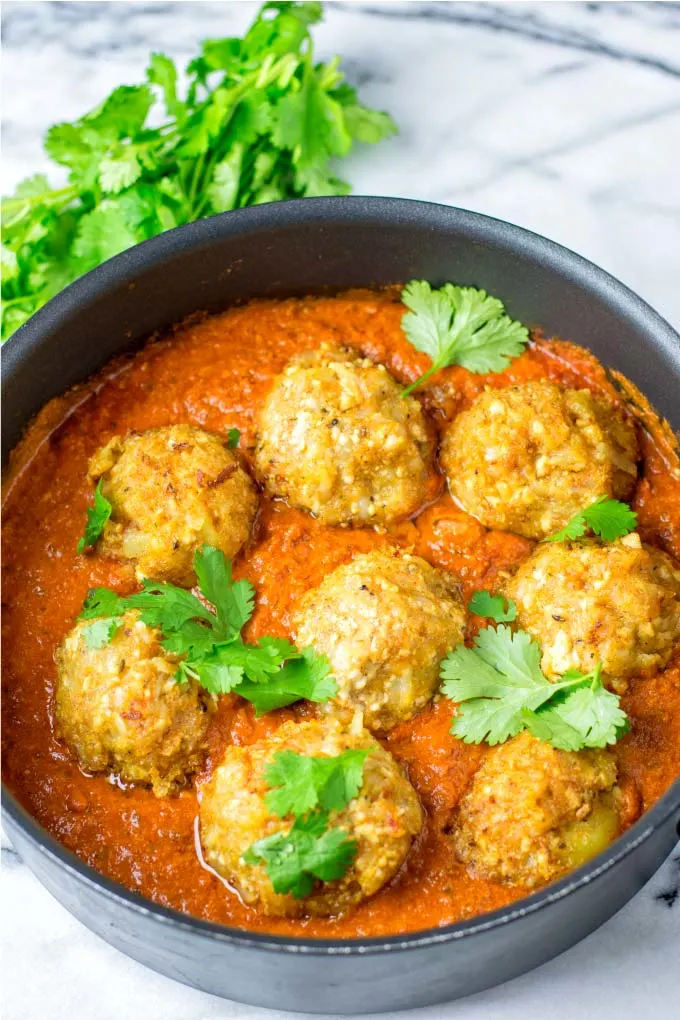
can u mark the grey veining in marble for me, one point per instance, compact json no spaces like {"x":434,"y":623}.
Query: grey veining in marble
{"x":563,"y":117}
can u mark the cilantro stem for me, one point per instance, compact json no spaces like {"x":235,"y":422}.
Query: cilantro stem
{"x":421,"y":379}
{"x":22,"y":299}
{"x":41,"y":199}
{"x":197,"y":209}
{"x":196,"y":176}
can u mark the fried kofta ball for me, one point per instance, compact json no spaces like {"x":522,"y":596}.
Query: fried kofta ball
{"x":121,"y":710}
{"x":385,"y":621}
{"x":383,"y":819}
{"x":173,"y":490}
{"x":336,"y":438}
{"x":527,"y":458}
{"x":532,"y":813}
{"x":586,"y":603}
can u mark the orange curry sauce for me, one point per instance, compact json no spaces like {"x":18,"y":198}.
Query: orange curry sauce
{"x":214,"y":373}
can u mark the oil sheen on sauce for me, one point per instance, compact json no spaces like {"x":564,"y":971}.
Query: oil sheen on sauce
{"x":214,"y":373}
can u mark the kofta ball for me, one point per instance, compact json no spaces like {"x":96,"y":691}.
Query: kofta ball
{"x":385,"y":621}
{"x":527,"y":458}
{"x":336,"y":438}
{"x":121,"y":710}
{"x":532,"y":813}
{"x":383,"y":819}
{"x":173,"y":490}
{"x":586,"y":603}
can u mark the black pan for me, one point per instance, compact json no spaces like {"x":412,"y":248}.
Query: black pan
{"x":298,"y":247}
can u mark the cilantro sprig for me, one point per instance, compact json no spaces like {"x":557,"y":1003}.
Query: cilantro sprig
{"x":97,"y":516}
{"x":294,"y":860}
{"x":460,"y":326}
{"x":270,"y":674}
{"x":309,"y":788}
{"x":300,"y":783}
{"x":494,"y":607}
{"x":258,"y":120}
{"x":500,"y":690}
{"x":609,"y":519}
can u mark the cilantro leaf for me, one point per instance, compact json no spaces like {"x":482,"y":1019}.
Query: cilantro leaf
{"x":293,"y":790}
{"x":102,"y":233}
{"x":122,"y":114}
{"x":300,"y":783}
{"x":233,"y":438}
{"x":167,"y":607}
{"x":516,"y":656}
{"x":307,"y":676}
{"x":163,"y":72}
{"x":101,"y":602}
{"x":97,"y":516}
{"x":215,"y":676}
{"x":609,"y":519}
{"x":591,"y":711}
{"x":575,"y":528}
{"x":194,"y":638}
{"x":311,"y":123}
{"x":226,"y":665}
{"x":251,"y":120}
{"x":330,"y":855}
{"x":233,"y":600}
{"x":364,"y":125}
{"x":494,"y":692}
{"x":483,"y":603}
{"x":499,"y":689}
{"x":119,"y":172}
{"x":460,"y":326}
{"x":99,"y":633}
{"x":257,"y":662}
{"x":309,"y":851}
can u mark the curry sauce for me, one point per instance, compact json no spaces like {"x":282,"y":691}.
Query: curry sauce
{"x":214,"y":373}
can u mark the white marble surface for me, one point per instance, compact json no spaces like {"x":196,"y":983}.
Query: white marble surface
{"x":563,"y":117}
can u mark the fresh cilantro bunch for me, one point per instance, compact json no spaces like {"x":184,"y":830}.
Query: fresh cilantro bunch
{"x":270,"y":674}
{"x":460,"y":326}
{"x":609,"y":519}
{"x":309,"y":788}
{"x":501,"y":690}
{"x":257,"y":121}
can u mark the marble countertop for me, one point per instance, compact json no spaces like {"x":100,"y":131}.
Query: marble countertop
{"x":562,"y":117}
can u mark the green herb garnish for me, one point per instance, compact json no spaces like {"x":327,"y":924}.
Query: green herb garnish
{"x":97,"y":516}
{"x":233,"y":438}
{"x":306,"y":674}
{"x":270,"y":674}
{"x":308,"y":787}
{"x":501,"y":690}
{"x":300,"y":783}
{"x":609,"y":519}
{"x":460,"y":326}
{"x":495,"y":607}
{"x":294,"y":860}
{"x":258,"y":120}
{"x":99,"y":633}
